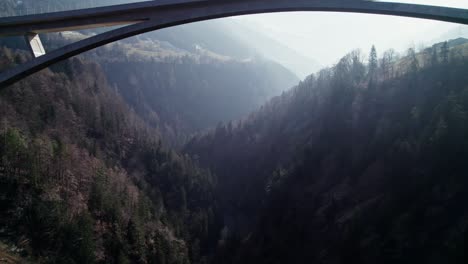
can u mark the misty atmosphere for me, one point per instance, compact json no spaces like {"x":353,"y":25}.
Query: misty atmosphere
{"x":289,"y":137}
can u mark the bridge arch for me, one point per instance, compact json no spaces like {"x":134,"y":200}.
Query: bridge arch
{"x":153,"y":15}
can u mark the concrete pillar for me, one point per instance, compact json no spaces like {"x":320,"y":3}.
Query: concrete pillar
{"x":35,"y":44}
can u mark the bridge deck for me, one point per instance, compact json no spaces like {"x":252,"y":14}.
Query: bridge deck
{"x":153,"y":15}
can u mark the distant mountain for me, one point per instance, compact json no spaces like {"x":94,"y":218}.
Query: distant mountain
{"x":272,"y":49}
{"x":233,"y":38}
{"x":212,"y":35}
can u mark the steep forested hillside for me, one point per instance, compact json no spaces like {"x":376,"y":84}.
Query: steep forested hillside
{"x":185,"y":97}
{"x":180,"y":85}
{"x":83,"y":179}
{"x":360,"y":163}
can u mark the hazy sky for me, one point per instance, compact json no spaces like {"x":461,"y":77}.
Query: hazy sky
{"x":326,"y":37}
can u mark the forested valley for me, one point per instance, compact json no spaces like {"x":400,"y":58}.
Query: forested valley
{"x":160,"y":150}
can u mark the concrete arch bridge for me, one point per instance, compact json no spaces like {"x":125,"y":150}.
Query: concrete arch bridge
{"x":152,"y":15}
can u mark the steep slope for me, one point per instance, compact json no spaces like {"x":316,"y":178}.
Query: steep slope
{"x":354,"y":165}
{"x":83,"y":179}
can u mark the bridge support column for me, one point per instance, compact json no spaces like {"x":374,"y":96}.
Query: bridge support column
{"x":35,"y":44}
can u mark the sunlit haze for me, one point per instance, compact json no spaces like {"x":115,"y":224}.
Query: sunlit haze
{"x":325,"y":36}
